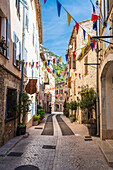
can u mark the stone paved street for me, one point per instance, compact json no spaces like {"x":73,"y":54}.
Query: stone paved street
{"x":71,"y":153}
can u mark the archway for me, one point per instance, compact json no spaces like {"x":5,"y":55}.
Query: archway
{"x":106,"y":106}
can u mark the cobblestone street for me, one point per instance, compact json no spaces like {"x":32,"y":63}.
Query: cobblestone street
{"x":72,"y":152}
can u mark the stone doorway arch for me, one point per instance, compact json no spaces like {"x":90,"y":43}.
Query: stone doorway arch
{"x":106,"y":98}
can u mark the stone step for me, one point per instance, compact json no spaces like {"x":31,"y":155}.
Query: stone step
{"x":110,"y":143}
{"x":107,"y":151}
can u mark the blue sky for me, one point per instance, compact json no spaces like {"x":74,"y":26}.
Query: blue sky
{"x":56,"y":32}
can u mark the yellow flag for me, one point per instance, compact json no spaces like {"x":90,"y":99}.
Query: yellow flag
{"x":67,"y":83}
{"x":61,"y":85}
{"x":59,"y":59}
{"x":29,"y":64}
{"x":58,"y":72}
{"x":43,"y":63}
{"x":77,"y":78}
{"x":42,"y":68}
{"x":71,"y":74}
{"x":89,"y":39}
{"x":83,"y":49}
{"x":69,"y":18}
{"x":25,"y":64}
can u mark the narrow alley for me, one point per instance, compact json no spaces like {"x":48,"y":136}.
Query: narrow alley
{"x":56,"y":144}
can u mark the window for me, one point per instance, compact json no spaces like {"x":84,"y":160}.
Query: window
{"x":105,"y":10}
{"x":11,"y":102}
{"x":56,"y":91}
{"x":61,"y":91}
{"x":18,"y":5}
{"x":16,"y":51}
{"x":86,"y":67}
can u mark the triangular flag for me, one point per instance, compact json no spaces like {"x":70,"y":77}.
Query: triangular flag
{"x":83,"y":49}
{"x":58,"y":72}
{"x":48,"y":70}
{"x":43,"y":63}
{"x":23,"y":64}
{"x":91,"y":46}
{"x":84,"y":33}
{"x":42,"y":68}
{"x":94,"y":17}
{"x":36,"y":64}
{"x":79,"y":76}
{"x":95,"y":26}
{"x":45,"y":1}
{"x":69,"y":18}
{"x":77,"y":27}
{"x":66,"y":57}
{"x":93,"y":43}
{"x":53,"y":71}
{"x":89,"y":39}
{"x":63,"y":73}
{"x":32,"y":64}
{"x":75,"y":74}
{"x":74,"y":54}
{"x":71,"y":74}
{"x":58,"y":7}
{"x":82,"y":75}
{"x":60,"y":59}
{"x":67,"y":83}
{"x":29,"y":64}
{"x":48,"y":62}
{"x":67,"y":73}
{"x":54,"y":61}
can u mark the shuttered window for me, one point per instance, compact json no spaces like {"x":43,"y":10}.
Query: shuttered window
{"x":14,"y":48}
{"x":8,"y":38}
{"x":18,"y":5}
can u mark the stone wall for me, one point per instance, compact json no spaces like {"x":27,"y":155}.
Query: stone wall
{"x":7,"y":127}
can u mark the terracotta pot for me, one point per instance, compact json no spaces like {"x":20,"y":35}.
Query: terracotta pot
{"x":35,"y":123}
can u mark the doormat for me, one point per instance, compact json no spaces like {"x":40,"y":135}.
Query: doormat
{"x":16,"y":154}
{"x":49,"y":147}
{"x":27,"y":167}
{"x":38,"y":128}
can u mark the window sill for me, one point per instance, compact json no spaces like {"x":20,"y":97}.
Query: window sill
{"x":10,"y":119}
{"x":17,"y":67}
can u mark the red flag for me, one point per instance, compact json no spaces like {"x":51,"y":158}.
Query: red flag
{"x":65,"y":84}
{"x":48,"y":69}
{"x":31,"y":66}
{"x":74,"y":54}
{"x":94,"y":43}
{"x":75,"y":74}
{"x":77,"y":27}
{"x":54,"y":61}
{"x":94,"y":17}
{"x":63,"y":73}
{"x":45,"y":1}
{"x":36,"y":64}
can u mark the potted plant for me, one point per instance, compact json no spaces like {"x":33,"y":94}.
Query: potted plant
{"x":41,"y":112}
{"x":23,"y":109}
{"x":87,"y":104}
{"x":71,"y":118}
{"x":73,"y":107}
{"x":36,"y":120}
{"x":66,"y":109}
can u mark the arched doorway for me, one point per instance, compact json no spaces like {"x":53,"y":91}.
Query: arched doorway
{"x":106,"y":107}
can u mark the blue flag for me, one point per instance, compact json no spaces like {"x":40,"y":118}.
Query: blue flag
{"x":53,"y":71}
{"x":66,"y":57}
{"x":48,"y":62}
{"x":95,"y":26}
{"x":84,"y":33}
{"x":67,"y":73}
{"x":91,"y":45}
{"x":58,"y":7}
{"x":79,"y":76}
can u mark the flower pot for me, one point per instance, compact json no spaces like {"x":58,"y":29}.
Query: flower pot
{"x":35,"y":123}
{"x":92,"y":128}
{"x":23,"y":130}
{"x":71,"y":119}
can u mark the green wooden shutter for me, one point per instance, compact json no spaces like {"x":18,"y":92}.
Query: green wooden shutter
{"x":8,"y":38}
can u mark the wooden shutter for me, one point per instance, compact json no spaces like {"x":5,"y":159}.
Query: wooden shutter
{"x":14,"y":48}
{"x":20,"y":54}
{"x":8,"y":38}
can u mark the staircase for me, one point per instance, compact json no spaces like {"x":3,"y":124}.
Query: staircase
{"x":107,"y":149}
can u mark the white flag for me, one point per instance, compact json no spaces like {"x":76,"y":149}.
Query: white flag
{"x":97,"y":7}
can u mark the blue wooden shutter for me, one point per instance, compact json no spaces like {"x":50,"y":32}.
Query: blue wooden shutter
{"x":8,"y":38}
{"x":33,"y":33}
{"x":19,"y":6}
{"x":20,"y":53}
{"x":14,"y":48}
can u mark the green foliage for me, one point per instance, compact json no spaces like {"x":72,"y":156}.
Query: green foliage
{"x":37,"y":117}
{"x":88,"y":100}
{"x":73,"y":105}
{"x":64,"y":105}
{"x":66,"y":109}
{"x":41,"y":112}
{"x":74,"y":116}
{"x":22,"y":125}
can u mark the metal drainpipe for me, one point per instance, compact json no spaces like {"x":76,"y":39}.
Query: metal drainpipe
{"x":23,"y":48}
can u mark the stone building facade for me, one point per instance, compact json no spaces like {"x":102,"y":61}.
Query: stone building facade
{"x":79,"y":73}
{"x":12,"y":15}
{"x":105,"y":28}
{"x":59,"y":96}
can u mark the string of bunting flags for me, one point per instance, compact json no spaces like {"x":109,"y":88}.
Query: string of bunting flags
{"x":94,"y":17}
